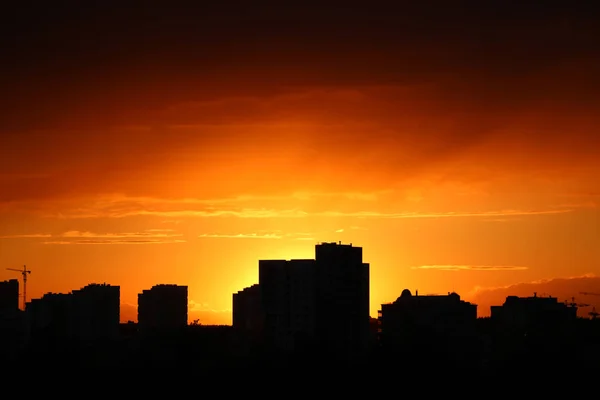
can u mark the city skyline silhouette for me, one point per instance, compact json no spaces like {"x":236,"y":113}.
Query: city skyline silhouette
{"x":154,"y":144}
{"x":216,"y":146}
{"x":585,"y":304}
{"x":302,"y":313}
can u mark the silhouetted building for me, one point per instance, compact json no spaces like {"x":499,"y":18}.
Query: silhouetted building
{"x":428,"y":320}
{"x":96,"y":312}
{"x":527,"y":313}
{"x":343,"y":320}
{"x":163,"y":307}
{"x":12,"y":322}
{"x":87,"y":314}
{"x":288,"y":293}
{"x":9,"y":295}
{"x":50,"y":317}
{"x":248,"y":315}
{"x":323,"y":301}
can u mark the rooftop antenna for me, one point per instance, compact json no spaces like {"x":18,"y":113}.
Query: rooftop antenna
{"x":24,"y":272}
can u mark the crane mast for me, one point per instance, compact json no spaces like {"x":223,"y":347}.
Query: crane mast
{"x":23,"y":272}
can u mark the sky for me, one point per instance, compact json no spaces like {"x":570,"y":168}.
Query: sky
{"x":147,"y":144}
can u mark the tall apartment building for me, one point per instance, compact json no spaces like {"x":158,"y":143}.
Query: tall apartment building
{"x":12,"y":322}
{"x":9,"y":295}
{"x":343,"y":297}
{"x":87,"y":314}
{"x":163,"y":307}
{"x":288,"y":293}
{"x":96,"y":311}
{"x":317,"y":301}
{"x":247,"y":310}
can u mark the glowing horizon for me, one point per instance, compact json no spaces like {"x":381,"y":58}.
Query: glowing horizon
{"x":185,"y":154}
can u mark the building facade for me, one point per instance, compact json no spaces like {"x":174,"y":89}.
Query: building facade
{"x":317,"y":302}
{"x":343,"y":297}
{"x":533,"y":313}
{"x":247,"y":310}
{"x":419,"y":322}
{"x":163,"y":307}
{"x":96,"y":311}
{"x":288,"y":294}
{"x":88,"y":314}
{"x":9,"y":295}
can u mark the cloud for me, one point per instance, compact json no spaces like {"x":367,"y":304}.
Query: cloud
{"x":150,"y":236}
{"x":208,"y":315}
{"x":242,"y":236}
{"x":118,"y":203}
{"x":259,"y":235}
{"x":203,"y":312}
{"x":505,"y":213}
{"x":194,"y":306}
{"x":26,"y":236}
{"x":255,"y":207}
{"x":471,"y":267}
{"x":150,"y":233}
{"x":564,"y":289}
{"x":117,"y":241}
{"x":191,"y":213}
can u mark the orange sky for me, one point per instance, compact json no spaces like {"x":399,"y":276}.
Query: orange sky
{"x":145,"y":146}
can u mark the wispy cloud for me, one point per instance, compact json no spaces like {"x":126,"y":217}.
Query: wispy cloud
{"x":242,"y":236}
{"x":471,"y":267}
{"x":114,"y":241}
{"x":298,"y":205}
{"x":26,"y":236}
{"x":150,"y":236}
{"x":194,"y":306}
{"x":173,"y":209}
{"x":258,"y":235}
{"x":500,"y":213}
{"x":197,"y":213}
{"x":150,"y":233}
{"x":243,"y":206}
{"x":562,"y":288}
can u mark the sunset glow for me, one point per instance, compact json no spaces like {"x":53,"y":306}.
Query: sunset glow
{"x":134,"y":155}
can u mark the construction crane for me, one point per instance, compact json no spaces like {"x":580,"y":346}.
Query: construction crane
{"x":593,"y":314}
{"x":24,"y":272}
{"x":572,"y":303}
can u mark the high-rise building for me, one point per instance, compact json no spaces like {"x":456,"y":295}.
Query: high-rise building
{"x":163,"y":307}
{"x":317,"y":301}
{"x":288,"y":293}
{"x":12,"y":322}
{"x":343,"y":318}
{"x":51,"y":316}
{"x":87,"y":314}
{"x":9,"y":295}
{"x":96,"y":311}
{"x":247,"y":310}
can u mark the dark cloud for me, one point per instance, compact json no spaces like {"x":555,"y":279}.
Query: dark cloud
{"x":106,"y":62}
{"x":582,"y":289}
{"x":437,"y":78}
